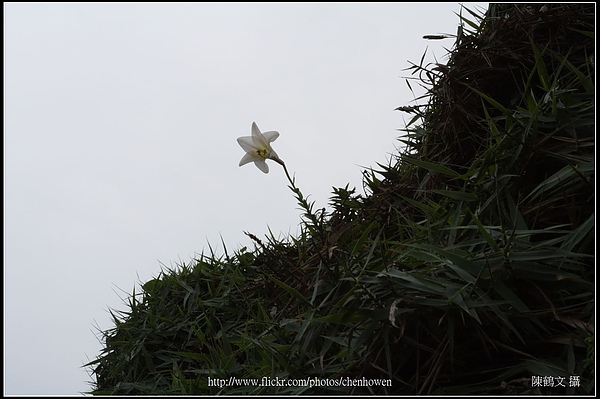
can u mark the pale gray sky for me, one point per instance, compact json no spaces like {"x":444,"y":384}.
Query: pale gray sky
{"x":120,"y":147}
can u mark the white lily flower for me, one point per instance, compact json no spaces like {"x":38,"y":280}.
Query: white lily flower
{"x":258,"y":148}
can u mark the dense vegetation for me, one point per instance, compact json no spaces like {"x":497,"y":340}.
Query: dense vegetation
{"x":466,"y":268}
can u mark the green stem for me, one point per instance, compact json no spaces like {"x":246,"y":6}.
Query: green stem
{"x":280,"y":162}
{"x":301,"y":200}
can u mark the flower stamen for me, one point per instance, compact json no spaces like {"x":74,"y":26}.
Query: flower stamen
{"x":263,"y":153}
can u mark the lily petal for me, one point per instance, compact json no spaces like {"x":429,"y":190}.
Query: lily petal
{"x":273,"y":154}
{"x":255,"y":129}
{"x":247,"y":143}
{"x":247,"y":158}
{"x":262,"y":165}
{"x":271,"y":136}
{"x":257,"y":137}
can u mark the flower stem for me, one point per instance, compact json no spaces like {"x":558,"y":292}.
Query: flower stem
{"x":292,"y":182}
{"x":301,"y":200}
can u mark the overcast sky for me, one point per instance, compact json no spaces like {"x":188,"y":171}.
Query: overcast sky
{"x":120,"y":149}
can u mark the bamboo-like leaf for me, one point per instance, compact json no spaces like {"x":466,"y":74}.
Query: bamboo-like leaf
{"x":290,"y":290}
{"x":457,"y":195}
{"x":433,"y":167}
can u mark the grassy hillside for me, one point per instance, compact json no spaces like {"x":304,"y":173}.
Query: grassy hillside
{"x":467,"y":267}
